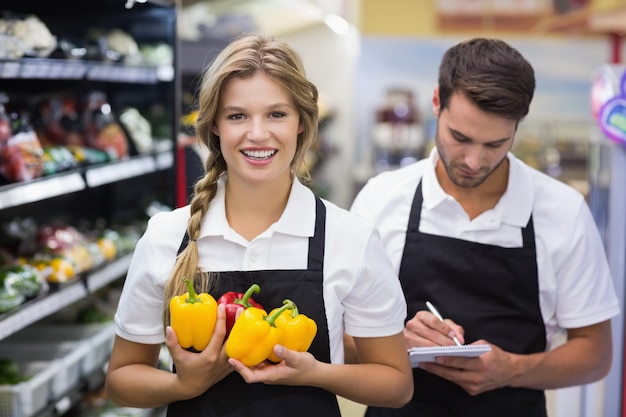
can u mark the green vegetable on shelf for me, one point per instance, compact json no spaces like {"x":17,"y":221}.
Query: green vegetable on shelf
{"x":9,"y":300}
{"x":17,"y":284}
{"x":21,"y":279}
{"x":9,"y":372}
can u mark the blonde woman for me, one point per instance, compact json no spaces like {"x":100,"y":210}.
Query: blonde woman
{"x":252,"y":220}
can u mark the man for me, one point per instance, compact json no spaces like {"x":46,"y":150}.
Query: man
{"x":508,"y":255}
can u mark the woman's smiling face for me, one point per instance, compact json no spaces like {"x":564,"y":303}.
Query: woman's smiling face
{"x":258,"y":126}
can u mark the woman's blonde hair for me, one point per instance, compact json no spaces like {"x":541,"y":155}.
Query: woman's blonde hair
{"x":244,"y":57}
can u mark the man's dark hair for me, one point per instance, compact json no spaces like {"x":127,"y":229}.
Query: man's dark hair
{"x":491,"y":74}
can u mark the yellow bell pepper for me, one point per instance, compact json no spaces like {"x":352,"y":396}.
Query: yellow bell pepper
{"x":193,"y":317}
{"x":298,"y":329}
{"x":253,"y":336}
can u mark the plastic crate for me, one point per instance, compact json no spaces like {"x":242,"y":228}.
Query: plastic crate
{"x":68,"y":355}
{"x":101,"y":343}
{"x":32,"y":395}
{"x":96,"y":338}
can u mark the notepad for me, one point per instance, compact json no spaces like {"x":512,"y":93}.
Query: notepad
{"x":429,"y":353}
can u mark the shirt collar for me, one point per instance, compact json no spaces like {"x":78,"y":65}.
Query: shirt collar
{"x":298,"y":219}
{"x":214,"y":222}
{"x":515,"y":205}
{"x":432,"y":192}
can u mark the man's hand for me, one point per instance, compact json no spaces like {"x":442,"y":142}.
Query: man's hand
{"x":425,"y":329}
{"x":476,"y":375}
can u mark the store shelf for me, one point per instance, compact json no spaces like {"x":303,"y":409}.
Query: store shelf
{"x":98,"y":196}
{"x":16,"y":194}
{"x":93,"y":383}
{"x":106,"y":275}
{"x":61,"y":297}
{"x":60,"y":69}
{"x":130,"y":74}
{"x":128,"y":168}
{"x":586,"y":20}
{"x":496,"y":15}
{"x":116,"y":171}
{"x":609,"y":20}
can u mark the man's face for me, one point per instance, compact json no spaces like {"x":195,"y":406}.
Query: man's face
{"x":471,"y":143}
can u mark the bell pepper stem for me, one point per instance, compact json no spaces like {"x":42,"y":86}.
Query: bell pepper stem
{"x":245,"y":300}
{"x":287,"y":305}
{"x":193,"y":297}
{"x":294,"y":308}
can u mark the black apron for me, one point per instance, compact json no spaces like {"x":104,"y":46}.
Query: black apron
{"x":233,"y":397}
{"x":491,"y":291}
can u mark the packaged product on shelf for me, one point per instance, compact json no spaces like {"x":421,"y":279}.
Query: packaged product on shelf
{"x":29,"y":36}
{"x":138,"y":128}
{"x":65,"y":249}
{"x":19,"y":283}
{"x":57,"y":159}
{"x":101,"y":127}
{"x":114,"y":45}
{"x":59,"y":128}
{"x":122,"y":43}
{"x":21,"y":153}
{"x":57,"y":122}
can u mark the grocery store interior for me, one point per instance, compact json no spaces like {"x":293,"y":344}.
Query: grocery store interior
{"x":96,"y":100}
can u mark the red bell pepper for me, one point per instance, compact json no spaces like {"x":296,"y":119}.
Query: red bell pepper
{"x":235,"y":301}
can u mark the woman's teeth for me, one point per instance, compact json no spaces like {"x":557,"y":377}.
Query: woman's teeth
{"x":259,"y":154}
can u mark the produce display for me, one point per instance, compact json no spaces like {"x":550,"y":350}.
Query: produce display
{"x":65,"y":252}
{"x":56,"y":135}
{"x":87,"y":123}
{"x":34,"y":259}
{"x":61,"y":103}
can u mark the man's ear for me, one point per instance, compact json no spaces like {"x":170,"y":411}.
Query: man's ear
{"x":436,"y":102}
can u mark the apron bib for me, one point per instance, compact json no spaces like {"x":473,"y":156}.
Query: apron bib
{"x":491,"y":291}
{"x":233,"y":397}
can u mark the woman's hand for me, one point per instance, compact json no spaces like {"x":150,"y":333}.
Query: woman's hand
{"x":295,"y":368}
{"x":197,"y":372}
{"x":384,"y":374}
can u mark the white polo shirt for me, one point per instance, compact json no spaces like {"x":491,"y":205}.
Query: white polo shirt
{"x":575,"y":284}
{"x":362,"y":294}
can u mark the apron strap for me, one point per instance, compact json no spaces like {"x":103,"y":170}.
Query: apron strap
{"x":528,"y":234}
{"x":416,"y":211}
{"x":183,"y":243}
{"x":317,"y":241}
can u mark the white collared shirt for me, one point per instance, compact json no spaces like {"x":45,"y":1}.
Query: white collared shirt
{"x":575,"y":284}
{"x":362,"y":293}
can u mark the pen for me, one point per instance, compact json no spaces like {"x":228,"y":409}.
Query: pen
{"x":436,"y":313}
